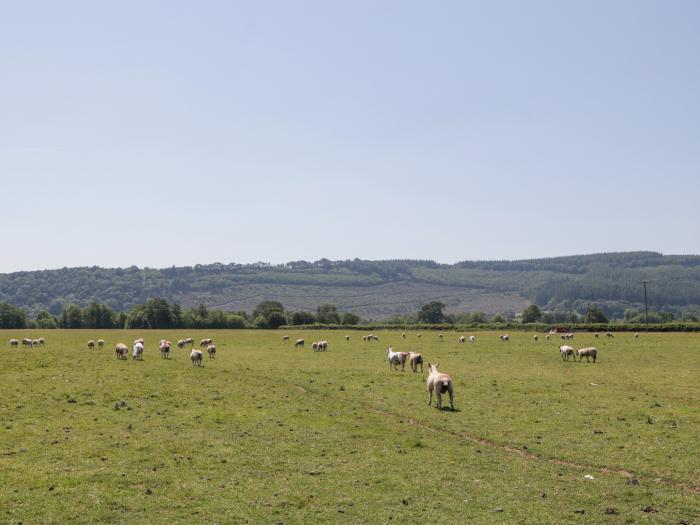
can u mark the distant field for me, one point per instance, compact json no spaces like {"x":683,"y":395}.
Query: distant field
{"x":265,"y":433}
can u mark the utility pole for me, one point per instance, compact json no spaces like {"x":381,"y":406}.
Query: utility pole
{"x":646,"y":305}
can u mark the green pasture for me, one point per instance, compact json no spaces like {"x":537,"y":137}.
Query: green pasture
{"x":266,"y":433}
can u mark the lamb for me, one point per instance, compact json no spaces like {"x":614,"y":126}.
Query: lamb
{"x":122,"y":351}
{"x":100,"y":343}
{"x":566,"y":351}
{"x":164,"y":348}
{"x":314,"y":346}
{"x":636,"y":336}
{"x":322,"y":346}
{"x":472,"y":339}
{"x":462,"y":339}
{"x":188,"y":341}
{"x":299,"y":342}
{"x":536,"y":338}
{"x":505,"y":337}
{"x":196,"y":356}
{"x":347,"y":338}
{"x":395,"y":359}
{"x":14,"y":343}
{"x":91,"y":344}
{"x":137,"y":353}
{"x":35,"y":342}
{"x":181,"y":343}
{"x":439,"y":383}
{"x":285,"y":339}
{"x":27,"y":343}
{"x":211,"y":350}
{"x":415,"y":359}
{"x":205,"y":342}
{"x":42,"y":341}
{"x":586,"y":352}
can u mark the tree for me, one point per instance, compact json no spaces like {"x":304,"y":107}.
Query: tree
{"x":432,"y":313}
{"x":158,"y":313}
{"x":12,"y":316}
{"x":327,"y":314}
{"x":350,"y":318}
{"x":531,"y":314}
{"x":266,"y":308}
{"x":595,"y":315}
{"x":276,"y":319}
{"x":299,"y":318}
{"x":45,"y":320}
{"x":498,"y":318}
{"x":72,"y":316}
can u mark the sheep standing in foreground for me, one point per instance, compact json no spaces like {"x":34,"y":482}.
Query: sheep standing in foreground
{"x":415,"y":359}
{"x":566,"y":352}
{"x":137,"y":353}
{"x":439,"y":383}
{"x":122,"y":351}
{"x":211,"y":350}
{"x":586,"y":352}
{"x":91,"y":344}
{"x":299,"y":342}
{"x":100,"y":343}
{"x":395,"y":359}
{"x":196,"y":356}
{"x":164,"y":348}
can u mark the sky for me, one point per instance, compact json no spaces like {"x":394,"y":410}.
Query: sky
{"x":174,"y":133}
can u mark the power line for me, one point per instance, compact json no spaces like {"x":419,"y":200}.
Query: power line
{"x":646,"y":305}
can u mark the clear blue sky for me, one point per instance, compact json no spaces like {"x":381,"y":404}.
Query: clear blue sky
{"x":160,"y":133}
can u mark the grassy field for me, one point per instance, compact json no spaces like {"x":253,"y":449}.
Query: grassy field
{"x":265,"y":433}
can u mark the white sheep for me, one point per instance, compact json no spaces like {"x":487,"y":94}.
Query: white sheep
{"x":396,"y":358}
{"x":196,"y":356}
{"x":14,"y":343}
{"x":122,"y":351}
{"x":91,"y":344}
{"x":299,"y":342}
{"x":164,"y":346}
{"x":415,"y":359}
{"x":439,"y":383}
{"x":505,"y":337}
{"x":472,"y":339}
{"x":536,"y":338}
{"x":285,"y":339}
{"x":566,"y":352}
{"x":586,"y":352}
{"x":137,"y":353}
{"x":211,"y":350}
{"x":462,"y":339}
{"x":100,"y":343}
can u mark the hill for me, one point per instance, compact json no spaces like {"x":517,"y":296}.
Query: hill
{"x":377,"y":289}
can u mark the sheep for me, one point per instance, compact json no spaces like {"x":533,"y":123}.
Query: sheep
{"x":285,"y":339}
{"x":415,"y":359}
{"x":472,"y":339}
{"x":636,"y":336}
{"x":403,"y":335}
{"x":42,"y":341}
{"x":314,"y":346}
{"x":347,"y":338}
{"x":566,"y":351}
{"x":586,"y":352}
{"x":299,"y":342}
{"x":439,"y":383}
{"x":164,"y":348}
{"x":140,"y":340}
{"x":395,"y":359}
{"x":122,"y":351}
{"x":595,"y":335}
{"x":205,"y":342}
{"x":137,"y":353}
{"x":418,"y":335}
{"x":100,"y":343}
{"x":188,"y":341}
{"x":364,"y":338}
{"x":462,"y":339}
{"x":181,"y":344}
{"x":27,"y":343}
{"x":536,"y":338}
{"x":196,"y":356}
{"x":440,"y":336}
{"x":322,"y":346}
{"x":211,"y":350}
{"x":35,"y":342}
{"x":609,"y":334}
{"x":547,"y":337}
{"x":505,"y":338}
{"x":14,"y":343}
{"x":91,"y":344}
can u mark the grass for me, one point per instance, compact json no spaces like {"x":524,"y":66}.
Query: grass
{"x":265,"y":433}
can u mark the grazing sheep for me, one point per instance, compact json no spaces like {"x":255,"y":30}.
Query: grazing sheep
{"x":636,"y":336}
{"x":299,"y":342}
{"x":205,"y":342}
{"x":196,"y":356}
{"x":472,"y":339}
{"x":403,"y":335}
{"x":35,"y":342}
{"x":440,"y":336}
{"x":505,"y":337}
{"x":14,"y":343}
{"x":462,"y":339}
{"x":586,"y":352}
{"x":91,"y":344}
{"x":562,"y":337}
{"x":188,"y":341}
{"x":414,"y":360}
{"x":27,"y":343}
{"x":100,"y":343}
{"x":439,"y":383}
{"x":122,"y":351}
{"x":211,"y":350}
{"x":536,"y":338}
{"x":609,"y":334}
{"x":322,"y":346}
{"x":347,"y":338}
{"x":395,"y":359}
{"x":164,"y":348}
{"x":181,"y":343}
{"x":285,"y":339}
{"x":137,"y":353}
{"x":566,"y":352}
{"x":419,"y":334}
{"x":314,"y":346}
{"x":42,"y":341}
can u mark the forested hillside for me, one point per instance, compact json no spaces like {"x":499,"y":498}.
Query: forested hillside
{"x":378,"y":289}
